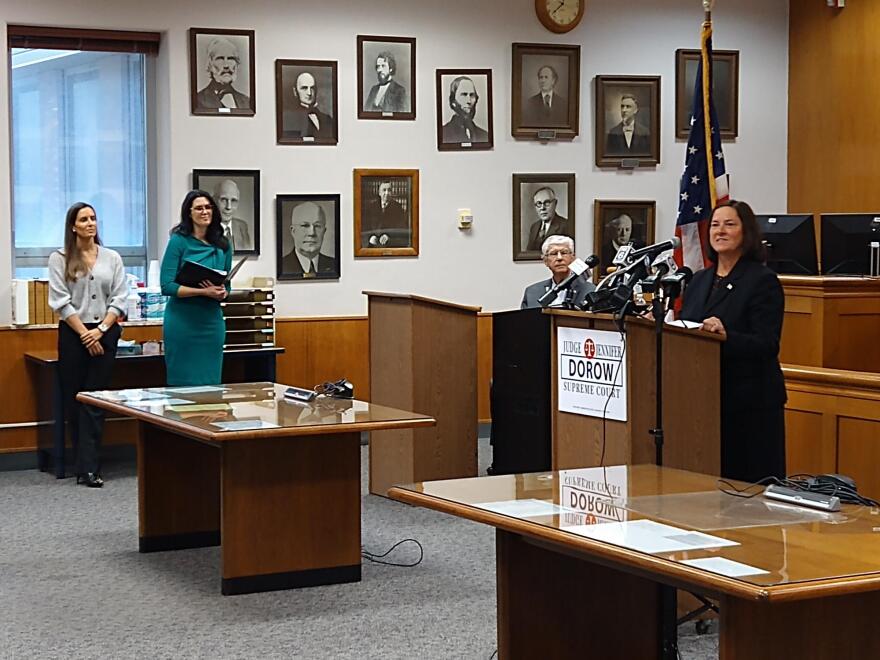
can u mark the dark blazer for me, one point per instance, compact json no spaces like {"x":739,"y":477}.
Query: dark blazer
{"x":209,"y":97}
{"x":580,"y":287}
{"x":327,"y":266}
{"x":615,"y":142}
{"x":393,"y":101}
{"x":454,"y":131}
{"x":535,"y":113}
{"x":296,"y":123}
{"x":558,"y":227}
{"x":750,"y":304}
{"x":392,"y":221}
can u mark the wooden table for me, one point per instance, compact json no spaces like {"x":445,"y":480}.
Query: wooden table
{"x":279,"y":492}
{"x":239,"y":366}
{"x":567,"y":589}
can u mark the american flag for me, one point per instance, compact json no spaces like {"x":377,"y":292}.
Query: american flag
{"x":704,"y":182}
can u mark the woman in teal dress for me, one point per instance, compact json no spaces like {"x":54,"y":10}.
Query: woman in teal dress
{"x":194,"y":329}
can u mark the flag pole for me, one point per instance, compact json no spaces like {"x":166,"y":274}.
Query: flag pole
{"x":707,"y":124}
{"x":707,"y":10}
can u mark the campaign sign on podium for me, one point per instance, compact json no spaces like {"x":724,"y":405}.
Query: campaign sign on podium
{"x":590,"y":496}
{"x":592,"y":372}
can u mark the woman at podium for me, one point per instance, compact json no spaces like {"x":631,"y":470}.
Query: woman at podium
{"x":741,"y":299}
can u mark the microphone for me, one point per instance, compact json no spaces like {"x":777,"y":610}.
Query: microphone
{"x":577,"y":268}
{"x":623,"y":255}
{"x":664,"y":263}
{"x":652,"y":250}
{"x":674,"y":284}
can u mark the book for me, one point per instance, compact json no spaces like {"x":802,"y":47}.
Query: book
{"x":192,"y":274}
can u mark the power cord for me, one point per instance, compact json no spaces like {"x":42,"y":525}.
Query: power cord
{"x":378,"y":558}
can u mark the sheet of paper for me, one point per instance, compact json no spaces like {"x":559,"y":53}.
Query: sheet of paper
{"x":244,"y":425}
{"x":522,"y":508}
{"x":132,"y":395}
{"x":157,"y":403}
{"x":724,"y":566}
{"x":649,"y":536}
{"x":196,"y":389}
{"x":200,"y":407}
{"x":690,"y":325}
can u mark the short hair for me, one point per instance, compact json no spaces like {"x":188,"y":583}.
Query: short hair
{"x":548,"y":189}
{"x":388,"y":57}
{"x":220,"y":185}
{"x":752,"y":245}
{"x":556,"y":239}
{"x":453,"y":90}
{"x":616,"y":222}
{"x":214,"y":44}
{"x":627,"y":95}
{"x":552,"y":70}
{"x":321,"y":215}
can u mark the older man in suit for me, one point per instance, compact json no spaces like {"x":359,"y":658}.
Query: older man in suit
{"x":304,"y":119}
{"x":629,"y":137}
{"x":222,"y":66}
{"x":227,"y":196}
{"x":548,"y":222}
{"x":558,"y":253}
{"x":308,"y":224}
{"x":546,"y":108}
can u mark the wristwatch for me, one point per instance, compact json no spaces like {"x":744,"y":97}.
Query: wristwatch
{"x":103,"y":327}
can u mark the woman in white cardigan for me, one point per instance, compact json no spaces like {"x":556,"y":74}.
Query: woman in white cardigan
{"x":87,"y":288}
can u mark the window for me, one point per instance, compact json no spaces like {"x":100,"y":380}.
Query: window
{"x":78,"y":121}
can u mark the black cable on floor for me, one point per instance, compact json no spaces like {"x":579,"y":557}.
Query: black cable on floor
{"x":377,"y":558}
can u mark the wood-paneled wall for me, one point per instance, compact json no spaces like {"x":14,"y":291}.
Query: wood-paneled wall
{"x":834,"y":107}
{"x":316,"y":350}
{"x":832,"y":421}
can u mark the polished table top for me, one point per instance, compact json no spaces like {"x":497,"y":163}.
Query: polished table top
{"x":50,"y":355}
{"x":249,"y":410}
{"x":677,"y":524}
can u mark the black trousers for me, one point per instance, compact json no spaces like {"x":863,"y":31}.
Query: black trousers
{"x":753,"y":443}
{"x":80,"y":372}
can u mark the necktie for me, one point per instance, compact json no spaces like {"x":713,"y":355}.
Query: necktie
{"x":547,"y":102}
{"x":311,"y":267}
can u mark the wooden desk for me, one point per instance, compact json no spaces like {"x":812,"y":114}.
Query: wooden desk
{"x":239,"y":366}
{"x":283,"y":502}
{"x":565,"y":594}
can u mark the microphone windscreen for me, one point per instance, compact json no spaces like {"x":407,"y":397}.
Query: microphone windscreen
{"x":577,"y":266}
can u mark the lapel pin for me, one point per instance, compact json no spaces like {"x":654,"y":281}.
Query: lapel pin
{"x":729,"y":286}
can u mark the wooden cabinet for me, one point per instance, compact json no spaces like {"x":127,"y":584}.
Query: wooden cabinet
{"x":250,"y":318}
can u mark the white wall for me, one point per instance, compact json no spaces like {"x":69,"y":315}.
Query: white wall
{"x":617,"y":37}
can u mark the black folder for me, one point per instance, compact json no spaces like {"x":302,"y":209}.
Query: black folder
{"x":193,"y":274}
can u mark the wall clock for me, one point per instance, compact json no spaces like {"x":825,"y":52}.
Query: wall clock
{"x":560,"y":15}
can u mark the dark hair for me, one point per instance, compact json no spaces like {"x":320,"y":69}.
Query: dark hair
{"x":214,"y":235}
{"x":453,"y":90}
{"x":752,"y":245}
{"x":74,"y":265}
{"x":389,"y":58}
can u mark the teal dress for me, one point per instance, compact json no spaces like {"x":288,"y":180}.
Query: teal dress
{"x":194,"y":330}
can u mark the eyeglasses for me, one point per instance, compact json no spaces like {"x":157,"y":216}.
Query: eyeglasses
{"x":547,"y":203}
{"x":559,"y":253}
{"x":199,"y":209}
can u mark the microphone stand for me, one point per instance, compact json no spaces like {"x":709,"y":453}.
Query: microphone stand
{"x":657,"y":432}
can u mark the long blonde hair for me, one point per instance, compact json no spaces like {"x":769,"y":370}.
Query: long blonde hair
{"x":74,"y":263}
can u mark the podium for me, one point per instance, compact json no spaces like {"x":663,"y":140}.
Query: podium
{"x":831,"y":322}
{"x":540,"y":437}
{"x":423,"y":357}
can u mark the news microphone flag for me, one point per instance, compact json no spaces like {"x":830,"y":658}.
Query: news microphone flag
{"x":704,"y":182}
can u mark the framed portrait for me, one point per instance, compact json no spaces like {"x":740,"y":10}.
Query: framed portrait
{"x":237,"y":193}
{"x":306,"y":102}
{"x":464,"y":109}
{"x":725,"y":90}
{"x":307,"y":237}
{"x":545,"y":91}
{"x":543,"y":205}
{"x":386,"y":213}
{"x":627,"y":121}
{"x":386,"y":70}
{"x":617,"y":223}
{"x":221,"y":72}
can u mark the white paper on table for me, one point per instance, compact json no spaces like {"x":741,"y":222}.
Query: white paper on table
{"x":690,"y":325}
{"x":724,"y":566}
{"x":131,"y":396}
{"x":649,"y":536}
{"x":196,"y":389}
{"x":155,"y":403}
{"x":244,"y":425}
{"x":521,"y":508}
